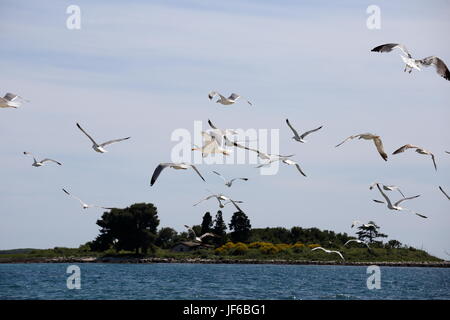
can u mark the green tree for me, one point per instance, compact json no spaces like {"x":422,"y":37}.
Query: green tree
{"x":207,"y":223}
{"x":219,"y":229}
{"x":132,"y":228}
{"x":369,"y":233}
{"x":240,"y":227}
{"x":166,"y":238}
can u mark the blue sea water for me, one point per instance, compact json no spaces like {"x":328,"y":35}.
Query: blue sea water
{"x":220,"y":281}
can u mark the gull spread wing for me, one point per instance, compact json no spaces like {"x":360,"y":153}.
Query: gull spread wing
{"x":388,"y":47}
{"x":158,"y":170}
{"x":292,"y":128}
{"x":409,"y":198}
{"x":198,"y":172}
{"x":208,"y":234}
{"x":113,"y":141}
{"x":90,"y":138}
{"x":441,"y":68}
{"x":310,"y":131}
{"x":384,"y":196}
{"x":380,"y":149}
{"x":220,"y":175}
{"x":51,"y":160}
{"x":404,"y":148}
{"x":442,"y":190}
{"x":81,"y":201}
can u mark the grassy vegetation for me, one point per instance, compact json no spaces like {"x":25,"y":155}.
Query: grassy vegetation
{"x":240,"y":251}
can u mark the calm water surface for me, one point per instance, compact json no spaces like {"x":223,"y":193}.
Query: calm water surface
{"x":219,"y":281}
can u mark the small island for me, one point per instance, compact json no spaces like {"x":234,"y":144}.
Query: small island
{"x":131,"y":235}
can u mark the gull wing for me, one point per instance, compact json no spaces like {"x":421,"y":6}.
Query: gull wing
{"x":310,"y":131}
{"x":237,"y":207}
{"x":208,"y":234}
{"x":300,"y":169}
{"x":434,"y":161}
{"x":379,"y":146}
{"x":340,"y":254}
{"x":113,"y":141}
{"x":292,"y":128}
{"x":388,"y":47}
{"x":157,"y":172}
{"x":212,"y":94}
{"x":441,"y":68}
{"x":409,"y":198}
{"x":198,"y":172}
{"x":90,"y":138}
{"x":442,"y":190}
{"x":351,"y":137}
{"x":420,"y":215}
{"x":234,"y":179}
{"x":220,"y":175}
{"x":384,"y":196}
{"x":404,"y":148}
{"x":207,"y":198}
{"x":81,"y":201}
{"x":51,"y":160}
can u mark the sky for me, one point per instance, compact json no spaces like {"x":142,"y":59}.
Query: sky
{"x":144,"y":69}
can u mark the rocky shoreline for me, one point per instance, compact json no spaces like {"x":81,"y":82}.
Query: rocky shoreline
{"x":437,"y":264}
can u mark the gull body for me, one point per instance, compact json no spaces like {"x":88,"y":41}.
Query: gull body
{"x":200,"y":239}
{"x":100,"y":147}
{"x":11,"y":100}
{"x":329,"y":251}
{"x":40,"y":163}
{"x":221,"y":197}
{"x":369,"y":136}
{"x":176,"y":166}
{"x":297,"y":136}
{"x":396,"y":205}
{"x":411,"y":63}
{"x":228,"y":183}
{"x":225,"y":101}
{"x":418,"y":150}
{"x":84,"y":205}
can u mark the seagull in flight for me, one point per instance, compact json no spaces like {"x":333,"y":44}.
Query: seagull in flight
{"x":262,"y":155}
{"x":369,"y":136}
{"x":220,"y":197}
{"x":411,"y":63}
{"x":11,"y":100}
{"x":442,"y":190}
{"x":387,"y":188}
{"x":329,"y":251}
{"x":211,"y":146}
{"x":40,"y":163}
{"x":100,"y":147}
{"x":228,"y":183}
{"x":200,"y":239}
{"x":284,"y":160}
{"x":396,"y":205}
{"x":300,"y":138}
{"x":225,"y":101}
{"x":84,"y":205}
{"x":366,"y":225}
{"x":176,"y":166}
{"x":418,"y":150}
{"x":357,"y":241}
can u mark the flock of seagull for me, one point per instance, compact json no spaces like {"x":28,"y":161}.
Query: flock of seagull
{"x":218,"y":141}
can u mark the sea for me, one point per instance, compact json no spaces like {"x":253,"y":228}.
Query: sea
{"x":181,"y":281}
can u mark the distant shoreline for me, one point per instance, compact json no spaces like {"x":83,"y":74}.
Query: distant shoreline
{"x":433,"y":264}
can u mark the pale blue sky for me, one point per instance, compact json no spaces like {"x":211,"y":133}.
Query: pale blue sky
{"x":143,"y":69}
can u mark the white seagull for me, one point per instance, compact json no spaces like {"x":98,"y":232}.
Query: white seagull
{"x":329,"y":251}
{"x":200,"y":239}
{"x":396,"y":205}
{"x":442,"y":190}
{"x":228,"y":183}
{"x":357,"y":241}
{"x":211,"y":145}
{"x":176,"y":166}
{"x":220,"y":197}
{"x":418,"y":150}
{"x":11,"y":100}
{"x":284,"y":160}
{"x":84,"y":205}
{"x":411,"y":63}
{"x":40,"y":163}
{"x":300,"y":138}
{"x":369,"y":136}
{"x":387,"y":188}
{"x":225,"y":101}
{"x":100,"y":147}
{"x":366,"y":225}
